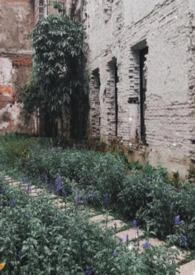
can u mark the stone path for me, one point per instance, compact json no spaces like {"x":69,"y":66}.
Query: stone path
{"x":132,"y":237}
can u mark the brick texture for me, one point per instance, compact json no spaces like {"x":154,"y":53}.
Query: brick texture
{"x":118,"y":29}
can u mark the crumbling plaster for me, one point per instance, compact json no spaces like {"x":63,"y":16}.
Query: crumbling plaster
{"x":16,"y":20}
{"x":16,"y":23}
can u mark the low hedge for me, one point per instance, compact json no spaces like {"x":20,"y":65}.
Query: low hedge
{"x":145,"y":194}
{"x":36,"y":238}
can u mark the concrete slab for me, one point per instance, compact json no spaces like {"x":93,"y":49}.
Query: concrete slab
{"x":132,"y":234}
{"x":14,"y":184}
{"x":101,"y":218}
{"x":36,"y":192}
{"x":51,"y":196}
{"x":115,"y":224}
{"x":92,"y":212}
{"x":59,"y":204}
{"x":8,"y":178}
{"x":188,"y":269}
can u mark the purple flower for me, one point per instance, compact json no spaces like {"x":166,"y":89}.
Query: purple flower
{"x":114,"y":253}
{"x":183,"y":241}
{"x":44,"y":178}
{"x":106,"y":200}
{"x":58,"y":184}
{"x":18,"y":255}
{"x":78,"y":199}
{"x":12,"y":203}
{"x":2,"y":190}
{"x":177,"y":220}
{"x":146,"y":245}
{"x":64,"y":193}
{"x":88,"y":271}
{"x":135,"y":223}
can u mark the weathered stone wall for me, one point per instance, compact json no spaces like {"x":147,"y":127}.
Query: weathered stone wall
{"x":16,"y":22}
{"x":191,"y":83}
{"x":119,"y":29}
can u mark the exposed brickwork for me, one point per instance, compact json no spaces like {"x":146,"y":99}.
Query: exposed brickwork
{"x":22,"y":61}
{"x":95,"y":119}
{"x":165,"y":28}
{"x":6,"y":90}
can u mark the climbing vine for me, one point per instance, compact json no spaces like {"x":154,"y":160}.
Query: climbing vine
{"x":57,"y":83}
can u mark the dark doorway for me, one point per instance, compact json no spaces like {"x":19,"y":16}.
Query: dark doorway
{"x":143,"y":87}
{"x":95,"y":103}
{"x":114,"y":79}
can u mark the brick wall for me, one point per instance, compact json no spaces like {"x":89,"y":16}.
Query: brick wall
{"x":118,"y":29}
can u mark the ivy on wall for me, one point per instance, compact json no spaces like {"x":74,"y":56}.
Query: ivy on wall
{"x":57,"y":84}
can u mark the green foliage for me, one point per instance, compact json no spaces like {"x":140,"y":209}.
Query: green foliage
{"x":135,"y":194}
{"x":37,"y":238}
{"x":14,"y":150}
{"x":145,"y":194}
{"x":94,"y":173}
{"x":163,"y":207}
{"x":58,"y":70}
{"x":58,"y":6}
{"x":137,"y":188}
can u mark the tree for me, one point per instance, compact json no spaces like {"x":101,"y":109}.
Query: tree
{"x":58,"y":71}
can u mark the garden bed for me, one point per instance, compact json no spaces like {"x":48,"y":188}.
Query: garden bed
{"x":37,"y":238}
{"x":146,"y":194}
{"x":106,"y":181}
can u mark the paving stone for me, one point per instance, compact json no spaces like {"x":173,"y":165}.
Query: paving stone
{"x":14,"y":184}
{"x":36,"y":192}
{"x":115,"y":224}
{"x":131,"y":233}
{"x":33,"y":194}
{"x":59,"y":200}
{"x":188,"y":269}
{"x":39,"y":190}
{"x":51,"y":196}
{"x":101,"y":218}
{"x":23,"y":185}
{"x":34,"y":187}
{"x":8,"y":178}
{"x":59,"y":204}
{"x":92,"y":212}
{"x":10,"y":181}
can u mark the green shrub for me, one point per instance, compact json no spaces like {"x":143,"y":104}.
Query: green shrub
{"x":146,"y":193}
{"x":163,"y":207}
{"x":103,"y":173}
{"x":14,"y":150}
{"x":37,"y":238}
{"x":134,"y":195}
{"x":136,"y":190}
